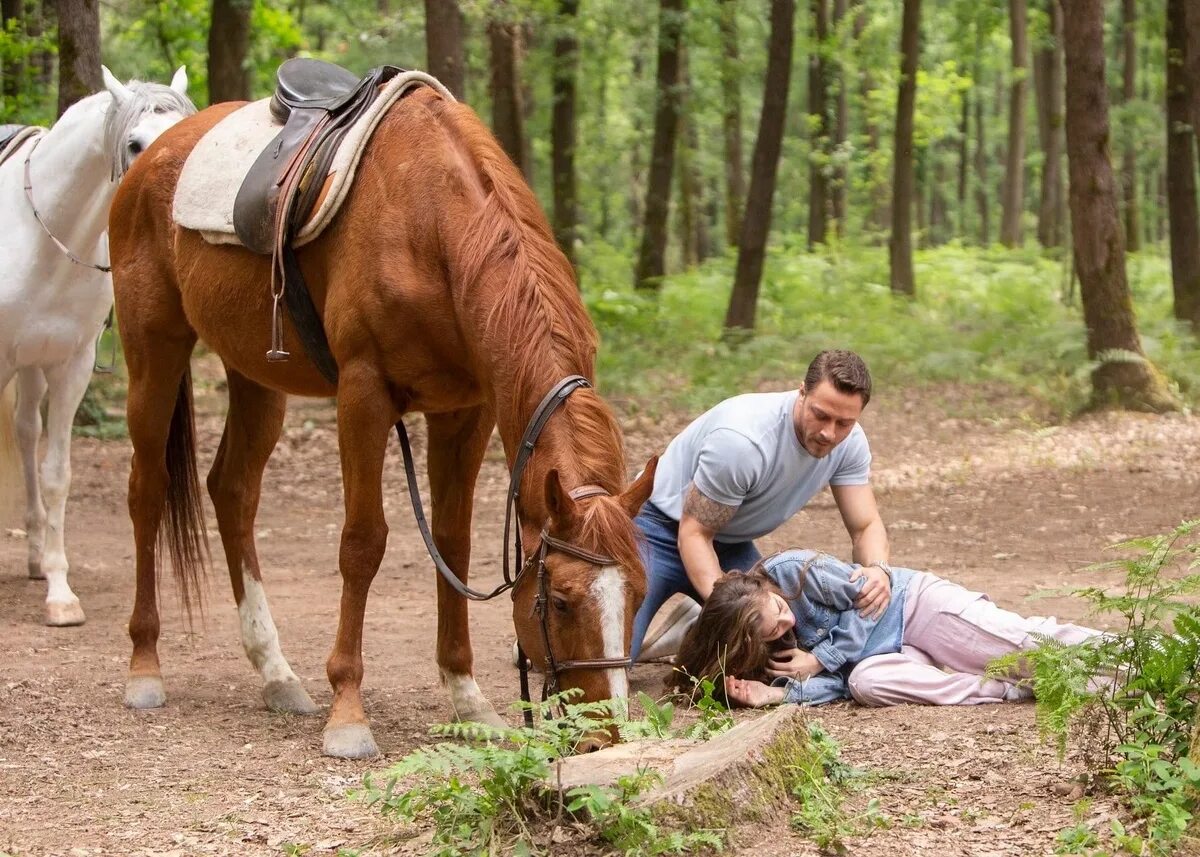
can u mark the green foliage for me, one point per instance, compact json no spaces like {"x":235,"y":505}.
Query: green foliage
{"x":994,"y":316}
{"x":482,"y":790}
{"x":821,"y":782}
{"x":1142,"y":685}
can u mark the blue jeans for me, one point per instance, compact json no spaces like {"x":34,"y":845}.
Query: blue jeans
{"x":665,"y":574}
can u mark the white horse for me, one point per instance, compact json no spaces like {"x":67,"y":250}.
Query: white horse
{"x":55,"y":293}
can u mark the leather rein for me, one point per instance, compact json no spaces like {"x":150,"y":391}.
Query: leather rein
{"x":546,"y":543}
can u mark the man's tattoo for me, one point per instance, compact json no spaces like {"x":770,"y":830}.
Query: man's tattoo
{"x":711,"y":514}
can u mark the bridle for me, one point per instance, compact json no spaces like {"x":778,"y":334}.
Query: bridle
{"x":553,"y":667}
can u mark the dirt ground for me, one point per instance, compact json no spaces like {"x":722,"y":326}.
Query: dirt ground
{"x":998,"y":503}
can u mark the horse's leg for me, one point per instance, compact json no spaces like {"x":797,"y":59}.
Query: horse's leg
{"x":252,"y":428}
{"x":364,"y":420}
{"x":457,"y":442}
{"x":31,"y":388}
{"x":157,"y":360}
{"x":68,"y":382}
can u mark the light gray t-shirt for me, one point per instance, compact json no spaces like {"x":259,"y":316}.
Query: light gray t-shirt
{"x":744,"y":452}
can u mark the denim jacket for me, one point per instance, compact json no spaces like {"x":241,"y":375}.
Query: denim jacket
{"x":819,"y":591}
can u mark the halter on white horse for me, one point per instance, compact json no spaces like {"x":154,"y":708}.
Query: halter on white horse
{"x":55,"y":292}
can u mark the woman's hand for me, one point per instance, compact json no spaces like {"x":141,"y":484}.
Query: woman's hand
{"x":752,"y":694}
{"x":793,"y":663}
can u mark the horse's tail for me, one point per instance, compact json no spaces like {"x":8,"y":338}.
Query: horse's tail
{"x":182,"y":530}
{"x":11,"y":480}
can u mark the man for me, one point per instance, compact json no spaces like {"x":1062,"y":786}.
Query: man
{"x":745,"y":467}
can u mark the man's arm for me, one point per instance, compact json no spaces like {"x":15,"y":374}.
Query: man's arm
{"x":702,"y":519}
{"x":860,"y":514}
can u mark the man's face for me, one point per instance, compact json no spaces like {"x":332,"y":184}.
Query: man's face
{"x":824,"y":417}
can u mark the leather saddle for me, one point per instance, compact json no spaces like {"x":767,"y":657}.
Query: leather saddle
{"x":317,"y":103}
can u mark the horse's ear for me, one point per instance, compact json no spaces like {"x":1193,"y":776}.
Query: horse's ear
{"x":636,"y":495}
{"x":179,"y":81}
{"x":558,"y":502}
{"x":120,"y":92}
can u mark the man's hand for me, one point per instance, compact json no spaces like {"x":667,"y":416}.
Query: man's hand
{"x":752,"y":694}
{"x":793,"y":663}
{"x":876,"y":593}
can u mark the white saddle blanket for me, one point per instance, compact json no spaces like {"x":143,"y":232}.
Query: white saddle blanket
{"x":213,"y":172}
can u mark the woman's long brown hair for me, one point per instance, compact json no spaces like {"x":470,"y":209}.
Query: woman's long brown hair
{"x":727,"y":638}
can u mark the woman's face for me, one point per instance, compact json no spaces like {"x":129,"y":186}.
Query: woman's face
{"x":776,"y":618}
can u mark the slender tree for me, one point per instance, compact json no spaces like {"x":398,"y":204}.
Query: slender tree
{"x":1184,"y":227}
{"x":818,"y":127}
{"x":562,"y":128}
{"x":444,"y":56}
{"x":982,"y":202}
{"x":78,"y":51}
{"x":900,"y":244}
{"x":1013,"y":201}
{"x":228,"y":46}
{"x":1122,"y":375}
{"x":841,"y":124}
{"x":14,"y":68}
{"x":1133,"y":232}
{"x":756,"y":225}
{"x":1191,"y":62}
{"x":731,"y":121}
{"x":504,"y":83}
{"x":964,"y":161}
{"x":879,"y":211}
{"x":651,"y":264}
{"x":1048,"y":83}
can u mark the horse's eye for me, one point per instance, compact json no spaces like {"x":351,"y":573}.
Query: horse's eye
{"x":560,"y":604}
{"x":135,"y":146}
{"x":160,"y":109}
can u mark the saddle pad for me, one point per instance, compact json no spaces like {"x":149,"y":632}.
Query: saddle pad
{"x":216,"y":167}
{"x":10,"y":145}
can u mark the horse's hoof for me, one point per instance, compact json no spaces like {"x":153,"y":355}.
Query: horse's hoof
{"x":288,"y":697}
{"x":35,"y":570}
{"x":145,"y":692}
{"x":63,"y":614}
{"x":351,"y":741}
{"x":487,"y":716}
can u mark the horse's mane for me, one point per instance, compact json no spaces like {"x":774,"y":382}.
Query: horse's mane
{"x":539,"y":309}
{"x":123,"y":115}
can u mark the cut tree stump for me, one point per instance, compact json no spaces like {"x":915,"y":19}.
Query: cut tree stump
{"x":743,"y":775}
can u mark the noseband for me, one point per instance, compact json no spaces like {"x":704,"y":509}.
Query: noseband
{"x":546,"y":543}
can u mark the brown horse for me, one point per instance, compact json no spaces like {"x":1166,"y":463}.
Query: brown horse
{"x":442,"y":291}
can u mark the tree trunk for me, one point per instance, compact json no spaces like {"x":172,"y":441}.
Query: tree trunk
{"x":14,"y":68}
{"x":228,"y":45}
{"x":1047,"y":78}
{"x":964,"y":161}
{"x":562,"y":129}
{"x":38,"y":22}
{"x":1014,"y":167}
{"x":1191,"y":63}
{"x":1122,"y":376}
{"x":78,"y":51}
{"x":1181,"y":171}
{"x":504,"y":84}
{"x":818,"y":128}
{"x":523,"y":45}
{"x":1133,"y":232}
{"x":691,"y":188}
{"x":982,"y":203}
{"x":939,"y":214}
{"x":879,"y":212}
{"x":900,"y":244}
{"x":841,"y":129}
{"x":731,"y":97}
{"x":651,"y":264}
{"x":756,"y":225}
{"x":444,"y":57}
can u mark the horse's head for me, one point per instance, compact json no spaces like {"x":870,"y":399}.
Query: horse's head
{"x":139,"y":113}
{"x":593,"y":582}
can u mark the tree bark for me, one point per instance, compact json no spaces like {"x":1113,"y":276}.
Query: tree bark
{"x":1048,"y":82}
{"x":228,"y":45}
{"x":1192,"y":63}
{"x":1122,"y":375}
{"x":504,"y":84}
{"x":731,"y":96}
{"x":841,"y":130}
{"x":756,"y":225}
{"x":1184,"y":226}
{"x":78,"y":51}
{"x":444,"y":56}
{"x":1014,"y":168}
{"x":1133,"y":232}
{"x":651,"y":264}
{"x":818,"y":128}
{"x":563,"y":129}
{"x":900,"y":249}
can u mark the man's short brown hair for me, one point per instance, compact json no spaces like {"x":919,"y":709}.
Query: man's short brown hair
{"x":844,"y":369}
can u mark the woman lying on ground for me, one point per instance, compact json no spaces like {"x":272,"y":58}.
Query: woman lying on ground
{"x":787,"y":631}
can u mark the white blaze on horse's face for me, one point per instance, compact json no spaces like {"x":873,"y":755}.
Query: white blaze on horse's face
{"x":609,"y":592}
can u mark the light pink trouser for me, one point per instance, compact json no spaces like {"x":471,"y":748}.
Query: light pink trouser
{"x":948,"y":626}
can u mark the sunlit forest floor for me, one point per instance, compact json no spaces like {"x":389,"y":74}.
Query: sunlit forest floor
{"x":976,"y":482}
